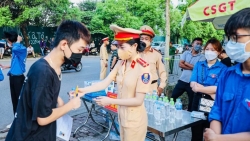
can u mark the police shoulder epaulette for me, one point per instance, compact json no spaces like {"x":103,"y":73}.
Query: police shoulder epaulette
{"x":142,"y":62}
{"x":157,"y":50}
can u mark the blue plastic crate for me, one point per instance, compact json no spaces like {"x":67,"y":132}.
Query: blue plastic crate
{"x":95,"y":94}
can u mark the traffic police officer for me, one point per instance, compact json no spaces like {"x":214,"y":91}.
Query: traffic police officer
{"x":154,"y":58}
{"x":133,"y":78}
{"x":104,"y":58}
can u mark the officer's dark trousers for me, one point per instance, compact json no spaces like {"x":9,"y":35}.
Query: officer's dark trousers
{"x":182,"y":87}
{"x":198,"y":130}
{"x":16,"y":84}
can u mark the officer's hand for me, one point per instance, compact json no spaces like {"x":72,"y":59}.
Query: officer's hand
{"x":210,"y":135}
{"x":81,"y":92}
{"x":75,"y":103}
{"x":103,"y":100}
{"x":159,"y":89}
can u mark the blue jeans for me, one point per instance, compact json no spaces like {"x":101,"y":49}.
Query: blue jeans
{"x":42,"y":51}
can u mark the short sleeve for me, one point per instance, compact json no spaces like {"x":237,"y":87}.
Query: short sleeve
{"x":194,"y":76}
{"x":202,"y":58}
{"x":42,"y":101}
{"x":1,"y":75}
{"x":112,"y":75}
{"x":215,"y":113}
{"x":183,"y":56}
{"x":144,"y":80}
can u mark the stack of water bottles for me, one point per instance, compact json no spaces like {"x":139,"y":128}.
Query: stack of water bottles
{"x":162,"y":108}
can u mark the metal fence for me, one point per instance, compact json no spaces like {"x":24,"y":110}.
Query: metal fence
{"x":174,"y":69}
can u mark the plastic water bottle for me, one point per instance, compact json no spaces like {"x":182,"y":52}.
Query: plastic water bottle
{"x":166,"y":104}
{"x":151,"y":104}
{"x":172,"y":111}
{"x":146,"y":101}
{"x":157,"y":113}
{"x":163,"y":110}
{"x":162,"y":96}
{"x":178,"y":106}
{"x":155,"y":94}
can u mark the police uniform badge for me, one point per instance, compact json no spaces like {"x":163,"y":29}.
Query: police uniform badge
{"x":145,"y":78}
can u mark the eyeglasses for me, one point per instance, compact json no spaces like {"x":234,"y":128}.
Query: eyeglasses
{"x":234,"y":38}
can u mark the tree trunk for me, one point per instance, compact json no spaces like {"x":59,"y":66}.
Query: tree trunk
{"x":23,"y":28}
{"x":167,"y":59}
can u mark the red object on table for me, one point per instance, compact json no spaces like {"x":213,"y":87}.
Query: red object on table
{"x":112,"y":107}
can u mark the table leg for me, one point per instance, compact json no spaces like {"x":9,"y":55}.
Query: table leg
{"x":109,"y":129}
{"x":89,"y":114}
{"x":113,"y":121}
{"x":175,"y":136}
{"x":162,"y":138}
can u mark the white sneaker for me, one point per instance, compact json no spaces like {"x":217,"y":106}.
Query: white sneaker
{"x":8,"y":126}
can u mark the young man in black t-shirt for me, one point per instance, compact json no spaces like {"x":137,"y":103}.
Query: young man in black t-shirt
{"x":39,"y":105}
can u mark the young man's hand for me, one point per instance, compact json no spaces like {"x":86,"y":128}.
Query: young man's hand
{"x":75,"y":102}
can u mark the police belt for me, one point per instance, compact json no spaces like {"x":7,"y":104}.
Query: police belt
{"x":154,"y":81}
{"x":103,"y":59}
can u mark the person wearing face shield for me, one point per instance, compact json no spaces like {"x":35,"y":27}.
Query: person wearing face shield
{"x":187,"y":62}
{"x":133,"y":78}
{"x":204,"y":81}
{"x":104,"y":57}
{"x":39,"y":105}
{"x":229,"y":117}
{"x":154,"y":58}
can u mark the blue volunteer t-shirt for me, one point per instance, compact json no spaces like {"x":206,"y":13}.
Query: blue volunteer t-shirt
{"x":232,"y":102}
{"x":19,"y":53}
{"x":2,"y":43}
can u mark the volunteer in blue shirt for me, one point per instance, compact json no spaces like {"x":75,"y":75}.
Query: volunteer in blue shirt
{"x":17,"y":66}
{"x":230,"y":115}
{"x":204,"y":80}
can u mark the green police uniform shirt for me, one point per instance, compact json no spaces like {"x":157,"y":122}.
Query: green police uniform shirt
{"x":172,"y":50}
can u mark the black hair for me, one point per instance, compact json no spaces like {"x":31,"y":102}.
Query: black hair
{"x":11,"y":36}
{"x":141,"y":45}
{"x":196,"y":39}
{"x":223,"y":51}
{"x":71,"y":31}
{"x":240,"y":19}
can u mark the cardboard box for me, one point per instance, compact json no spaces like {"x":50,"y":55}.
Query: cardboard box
{"x":112,"y":107}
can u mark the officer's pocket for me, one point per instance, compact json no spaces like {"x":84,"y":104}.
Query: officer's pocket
{"x":133,"y":114}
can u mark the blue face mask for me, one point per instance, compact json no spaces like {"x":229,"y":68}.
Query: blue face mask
{"x":197,"y":48}
{"x":237,"y":51}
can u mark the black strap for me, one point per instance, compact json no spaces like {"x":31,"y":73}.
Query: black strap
{"x":154,"y":81}
{"x":203,"y":95}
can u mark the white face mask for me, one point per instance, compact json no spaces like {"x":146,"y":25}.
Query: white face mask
{"x":237,"y":51}
{"x":210,"y":55}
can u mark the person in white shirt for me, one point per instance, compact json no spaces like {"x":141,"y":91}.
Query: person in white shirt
{"x":30,"y":50}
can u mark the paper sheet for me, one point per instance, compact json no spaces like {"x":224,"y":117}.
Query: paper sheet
{"x":64,"y":127}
